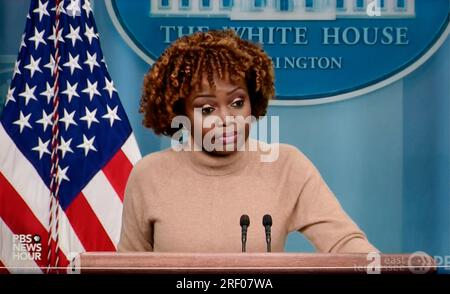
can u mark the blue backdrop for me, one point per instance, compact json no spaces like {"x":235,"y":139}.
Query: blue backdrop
{"x":384,"y":154}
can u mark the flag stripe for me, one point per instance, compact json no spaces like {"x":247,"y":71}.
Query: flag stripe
{"x":6,"y":257}
{"x":131,"y":149}
{"x":68,"y":240}
{"x":3,"y":269}
{"x":23,"y":221}
{"x":98,"y":192}
{"x":88,"y":228}
{"x":117,"y":171}
{"x":18,"y":171}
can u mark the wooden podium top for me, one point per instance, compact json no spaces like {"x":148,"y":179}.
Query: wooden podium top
{"x":250,"y":263}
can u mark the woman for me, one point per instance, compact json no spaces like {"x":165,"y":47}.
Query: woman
{"x":192,"y":200}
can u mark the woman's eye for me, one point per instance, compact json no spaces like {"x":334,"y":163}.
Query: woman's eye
{"x":238,"y":103}
{"x":207,"y":110}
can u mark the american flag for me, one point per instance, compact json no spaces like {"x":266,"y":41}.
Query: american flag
{"x":81,"y":163}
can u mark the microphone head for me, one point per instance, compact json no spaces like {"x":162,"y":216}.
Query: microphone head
{"x":267,"y":220}
{"x":245,"y":220}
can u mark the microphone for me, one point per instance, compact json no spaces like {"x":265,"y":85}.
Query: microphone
{"x":245,"y":223}
{"x":267,"y":223}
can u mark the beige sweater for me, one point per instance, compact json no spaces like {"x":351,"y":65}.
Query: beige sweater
{"x":192,"y":202}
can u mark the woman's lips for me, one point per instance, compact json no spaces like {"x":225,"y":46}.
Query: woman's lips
{"x":228,"y":138}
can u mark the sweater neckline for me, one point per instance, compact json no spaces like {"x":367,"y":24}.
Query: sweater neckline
{"x":217,"y":165}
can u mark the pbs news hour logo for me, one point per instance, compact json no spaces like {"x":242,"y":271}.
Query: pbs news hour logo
{"x":27,"y":247}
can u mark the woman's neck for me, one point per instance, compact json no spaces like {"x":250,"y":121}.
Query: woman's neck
{"x":212,"y":163}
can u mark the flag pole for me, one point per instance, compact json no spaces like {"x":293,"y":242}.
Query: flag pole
{"x":54,"y":172}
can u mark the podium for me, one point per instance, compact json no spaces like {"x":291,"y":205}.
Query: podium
{"x":249,"y":263}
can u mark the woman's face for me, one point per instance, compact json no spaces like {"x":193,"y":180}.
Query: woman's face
{"x":228,"y":105}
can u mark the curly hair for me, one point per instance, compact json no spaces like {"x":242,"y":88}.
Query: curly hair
{"x":181,"y":68}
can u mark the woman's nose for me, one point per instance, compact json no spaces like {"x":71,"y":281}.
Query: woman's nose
{"x":225,"y":115}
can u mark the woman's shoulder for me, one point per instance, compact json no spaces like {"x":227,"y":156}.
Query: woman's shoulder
{"x":282,"y":152}
{"x":155,"y":162}
{"x":286,"y":160}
